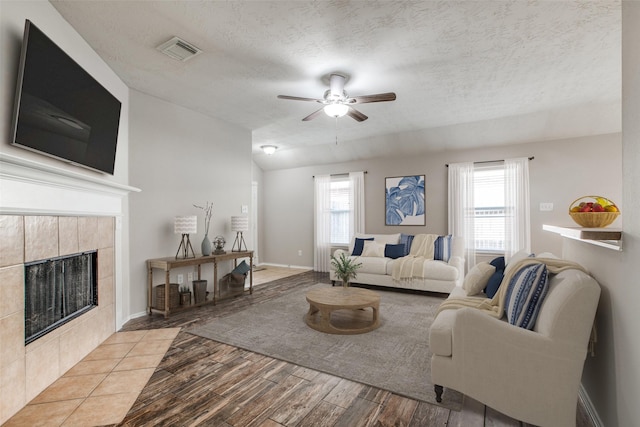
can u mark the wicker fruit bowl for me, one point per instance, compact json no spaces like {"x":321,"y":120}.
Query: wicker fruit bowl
{"x":593,"y":211}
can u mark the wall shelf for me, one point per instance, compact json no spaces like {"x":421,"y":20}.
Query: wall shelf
{"x":610,"y":238}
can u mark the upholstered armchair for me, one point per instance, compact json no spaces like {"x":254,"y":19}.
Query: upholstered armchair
{"x":530,"y":375}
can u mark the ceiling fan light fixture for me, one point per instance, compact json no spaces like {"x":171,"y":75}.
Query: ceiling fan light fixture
{"x":269,"y":149}
{"x":336,"y":110}
{"x":337,"y":103}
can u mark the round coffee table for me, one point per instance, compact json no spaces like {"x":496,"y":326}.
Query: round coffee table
{"x":324,"y":301}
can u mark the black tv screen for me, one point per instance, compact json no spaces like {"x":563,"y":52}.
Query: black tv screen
{"x":62,"y":111}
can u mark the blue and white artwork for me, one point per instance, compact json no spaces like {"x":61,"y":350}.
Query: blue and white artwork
{"x":404,"y":196}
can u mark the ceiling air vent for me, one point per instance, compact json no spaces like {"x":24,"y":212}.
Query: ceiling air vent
{"x":179,"y":49}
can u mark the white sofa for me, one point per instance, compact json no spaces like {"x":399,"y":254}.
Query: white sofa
{"x":530,"y":375}
{"x":439,"y":276}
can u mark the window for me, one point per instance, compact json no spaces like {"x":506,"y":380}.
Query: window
{"x":340,"y":210}
{"x":339,"y":214}
{"x":489,"y":208}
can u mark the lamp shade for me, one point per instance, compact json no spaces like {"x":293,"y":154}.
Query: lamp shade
{"x":185,"y":224}
{"x":239,"y":223}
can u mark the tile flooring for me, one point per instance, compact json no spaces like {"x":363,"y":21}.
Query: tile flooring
{"x":267,"y":273}
{"x":102,"y":387}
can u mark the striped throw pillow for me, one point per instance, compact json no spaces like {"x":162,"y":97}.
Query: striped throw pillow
{"x":442,"y":248}
{"x":525,"y":294}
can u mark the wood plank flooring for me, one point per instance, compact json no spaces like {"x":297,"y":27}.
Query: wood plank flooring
{"x":205,"y":383}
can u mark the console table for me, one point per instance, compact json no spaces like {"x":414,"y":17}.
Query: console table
{"x":168,"y":263}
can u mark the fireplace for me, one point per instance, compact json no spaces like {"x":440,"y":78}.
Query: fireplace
{"x":46,"y":212}
{"x":57,"y":277}
{"x":58,"y":290}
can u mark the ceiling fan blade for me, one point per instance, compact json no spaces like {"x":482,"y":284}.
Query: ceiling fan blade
{"x":380,"y":97}
{"x":312,"y":115}
{"x":353,"y":113}
{"x":298,"y":98}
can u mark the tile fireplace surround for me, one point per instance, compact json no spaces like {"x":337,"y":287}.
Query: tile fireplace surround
{"x":27,"y":370}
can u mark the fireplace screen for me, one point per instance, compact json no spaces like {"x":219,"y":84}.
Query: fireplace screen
{"x":58,"y":290}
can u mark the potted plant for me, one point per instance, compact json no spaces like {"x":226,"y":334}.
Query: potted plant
{"x":345,"y":268}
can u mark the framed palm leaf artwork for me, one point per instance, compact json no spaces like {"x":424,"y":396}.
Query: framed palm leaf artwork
{"x":404,"y":200}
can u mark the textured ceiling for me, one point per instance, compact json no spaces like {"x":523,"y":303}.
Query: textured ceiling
{"x":466,"y":73}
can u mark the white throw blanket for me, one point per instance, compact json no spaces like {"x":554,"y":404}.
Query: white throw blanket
{"x":412,"y":266}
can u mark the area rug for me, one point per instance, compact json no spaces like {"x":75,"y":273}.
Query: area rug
{"x":394,"y":357}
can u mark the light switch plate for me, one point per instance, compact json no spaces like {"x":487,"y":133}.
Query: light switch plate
{"x":546,"y":207}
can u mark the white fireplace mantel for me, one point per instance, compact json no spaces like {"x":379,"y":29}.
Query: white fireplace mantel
{"x":34,"y":188}
{"x":28,"y":187}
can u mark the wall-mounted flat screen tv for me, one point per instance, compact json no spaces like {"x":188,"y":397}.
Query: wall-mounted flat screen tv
{"x":62,"y":111}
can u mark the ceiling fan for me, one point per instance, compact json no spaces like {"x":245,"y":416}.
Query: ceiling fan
{"x":336,"y":102}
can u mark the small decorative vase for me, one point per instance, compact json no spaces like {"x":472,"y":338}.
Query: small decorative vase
{"x":345,"y":283}
{"x":206,"y":246}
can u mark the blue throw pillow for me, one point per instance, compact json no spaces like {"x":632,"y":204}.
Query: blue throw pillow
{"x":525,"y":294}
{"x":406,"y":240}
{"x":494,"y":283}
{"x":242,"y":268}
{"x":359,"y":245}
{"x":442,"y":248}
{"x":498,"y":263}
{"x":394,"y":251}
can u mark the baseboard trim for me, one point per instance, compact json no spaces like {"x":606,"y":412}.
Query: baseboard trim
{"x":589,"y":408}
{"x":136,"y":315}
{"x":285,"y":265}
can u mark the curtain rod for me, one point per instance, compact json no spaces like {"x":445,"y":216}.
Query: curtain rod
{"x":339,"y":174}
{"x":491,"y":161}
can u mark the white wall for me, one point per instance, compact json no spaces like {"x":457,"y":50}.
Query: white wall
{"x":561,"y":172}
{"x":257,"y":177}
{"x":179,"y":158}
{"x":612,"y":378}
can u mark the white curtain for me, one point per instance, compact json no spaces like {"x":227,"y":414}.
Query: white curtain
{"x":322,"y":223}
{"x":461,"y":208}
{"x":356,"y":202}
{"x":516,"y":200}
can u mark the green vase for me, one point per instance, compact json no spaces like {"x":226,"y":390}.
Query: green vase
{"x":206,"y":246}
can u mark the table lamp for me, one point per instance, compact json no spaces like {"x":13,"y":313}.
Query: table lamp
{"x":239,"y":224}
{"x":185,"y":225}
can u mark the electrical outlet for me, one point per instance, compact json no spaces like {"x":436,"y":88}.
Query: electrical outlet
{"x":180,"y":279}
{"x":546,"y":207}
{"x":244,"y":209}
{"x":189,"y":277}
{"x":300,"y":252}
